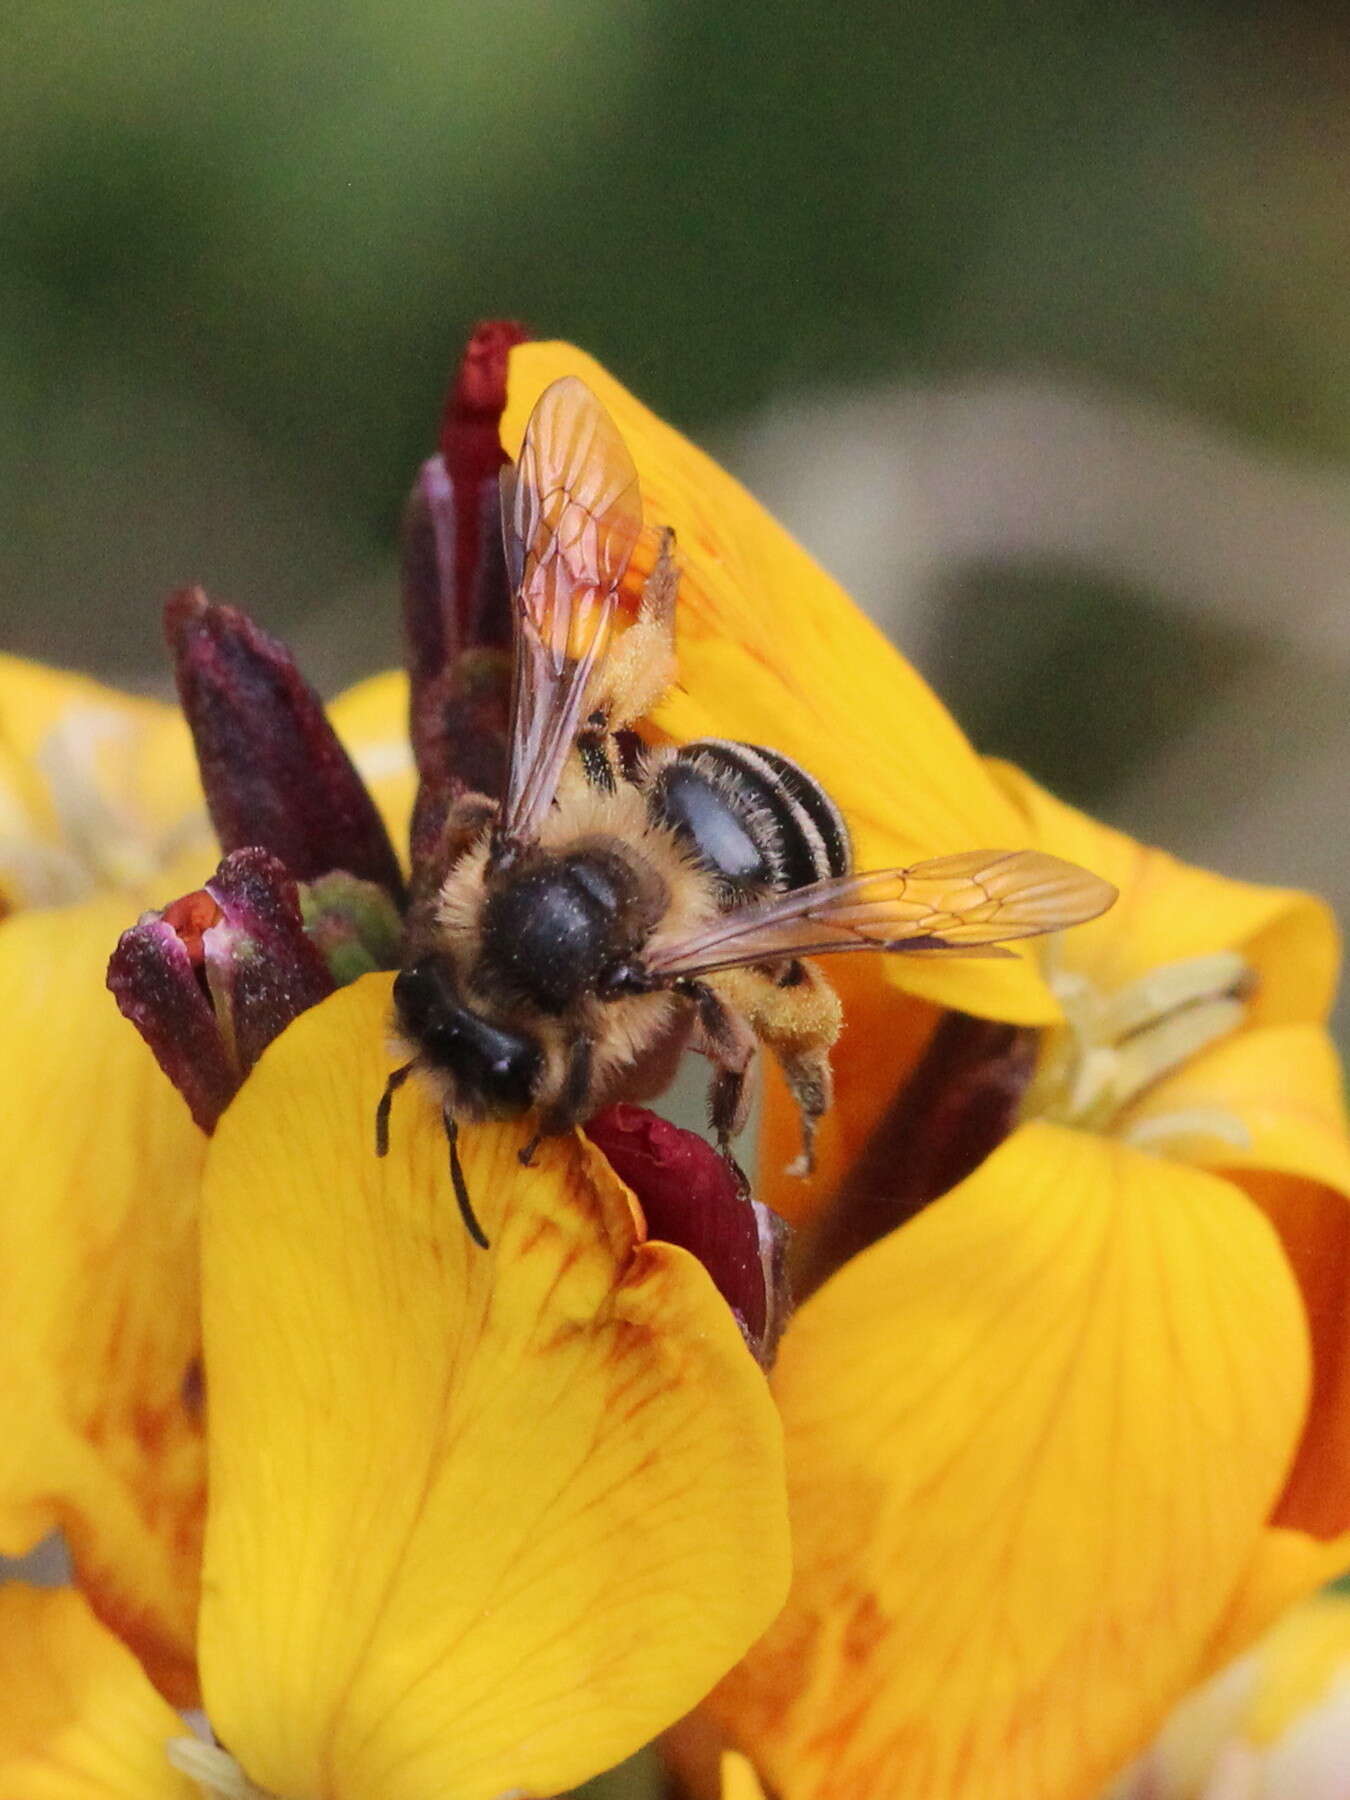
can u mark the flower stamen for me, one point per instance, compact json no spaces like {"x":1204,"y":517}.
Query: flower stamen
{"x":214,"y":1770}
{"x":1114,"y":1048}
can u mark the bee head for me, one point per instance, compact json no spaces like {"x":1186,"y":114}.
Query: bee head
{"x":494,"y":1067}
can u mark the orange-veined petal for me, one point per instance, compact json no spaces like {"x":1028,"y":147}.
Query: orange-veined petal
{"x":772,"y":651}
{"x":1284,"y":1085}
{"x":1170,"y":910}
{"x":1032,"y":1439}
{"x":1307,"y":1542}
{"x":100,"y":1167}
{"x":78,"y":1719}
{"x":479,"y":1520}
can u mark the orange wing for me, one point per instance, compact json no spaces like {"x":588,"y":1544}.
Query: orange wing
{"x":961,"y":905}
{"x":571,"y":514}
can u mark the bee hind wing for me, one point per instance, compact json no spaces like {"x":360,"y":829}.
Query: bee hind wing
{"x":963,"y":905}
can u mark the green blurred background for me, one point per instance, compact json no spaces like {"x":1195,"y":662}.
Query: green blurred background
{"x":1032,"y":320}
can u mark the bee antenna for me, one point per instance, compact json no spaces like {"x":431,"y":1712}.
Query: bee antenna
{"x":466,"y":1212}
{"x":391,"y":1087}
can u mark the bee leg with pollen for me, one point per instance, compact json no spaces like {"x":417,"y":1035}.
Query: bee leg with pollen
{"x":641,"y":668}
{"x":793,"y":1010}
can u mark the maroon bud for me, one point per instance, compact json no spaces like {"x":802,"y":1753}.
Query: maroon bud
{"x":262,"y":969}
{"x":456,"y":597}
{"x":273,"y":770}
{"x":693,"y":1197}
{"x":956,"y":1108}
{"x":211,"y":980}
{"x":155,"y":975}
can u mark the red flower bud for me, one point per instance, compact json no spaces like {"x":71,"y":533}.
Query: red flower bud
{"x":456,"y":598}
{"x":273,"y":770}
{"x":211,"y":980}
{"x":156,"y":978}
{"x":693,"y":1197}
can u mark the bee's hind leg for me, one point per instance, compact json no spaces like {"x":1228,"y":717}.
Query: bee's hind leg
{"x":641,"y":666}
{"x":811,"y":1085}
{"x":796,"y":1012}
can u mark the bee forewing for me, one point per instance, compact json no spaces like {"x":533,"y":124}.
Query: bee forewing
{"x":571,"y":515}
{"x":576,"y":513}
{"x":952,"y":905}
{"x":992,"y":896}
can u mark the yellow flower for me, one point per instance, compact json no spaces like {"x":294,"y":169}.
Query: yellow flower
{"x":453,"y":1493}
{"x":772,"y":651}
{"x":480,"y":1521}
{"x":1273,"y":1726}
{"x":98,"y":1160}
{"x":1073,"y":1434}
{"x":101,"y":813}
{"x":98,"y":790}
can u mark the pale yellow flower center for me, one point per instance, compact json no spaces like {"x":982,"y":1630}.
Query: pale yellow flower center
{"x":1115,"y":1047}
{"x":220,"y":1777}
{"x":92,"y":835}
{"x":214,"y":1770}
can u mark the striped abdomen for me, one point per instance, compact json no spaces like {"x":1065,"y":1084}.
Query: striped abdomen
{"x":752,"y":817}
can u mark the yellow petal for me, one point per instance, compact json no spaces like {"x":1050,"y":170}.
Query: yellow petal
{"x":1169,"y":910}
{"x":480,"y":1521}
{"x":99,"y":1166}
{"x":372,"y":721}
{"x":97,"y":788}
{"x":772,"y":651}
{"x":1032,"y":1438}
{"x":1286,"y":1567}
{"x":78,"y":1719}
{"x":1284,"y":1086}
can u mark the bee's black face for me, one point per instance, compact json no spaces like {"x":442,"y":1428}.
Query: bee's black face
{"x":498,"y":1068}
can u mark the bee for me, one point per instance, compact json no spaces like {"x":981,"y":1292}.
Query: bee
{"x":620,"y":904}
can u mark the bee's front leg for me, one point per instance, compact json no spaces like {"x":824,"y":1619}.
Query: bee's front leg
{"x":573,"y":1100}
{"x":725,"y":1037}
